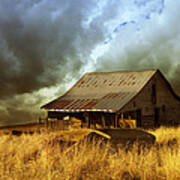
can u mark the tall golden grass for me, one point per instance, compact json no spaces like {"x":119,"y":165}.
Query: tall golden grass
{"x":39,"y":156}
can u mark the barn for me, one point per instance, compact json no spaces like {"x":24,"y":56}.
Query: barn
{"x":111,"y":98}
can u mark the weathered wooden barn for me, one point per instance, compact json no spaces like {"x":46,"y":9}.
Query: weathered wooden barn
{"x":108,"y":97}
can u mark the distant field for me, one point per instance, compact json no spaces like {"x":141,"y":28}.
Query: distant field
{"x":39,"y":156}
{"x":29,"y":127}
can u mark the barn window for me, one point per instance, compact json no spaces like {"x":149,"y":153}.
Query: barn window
{"x":154,"y":94}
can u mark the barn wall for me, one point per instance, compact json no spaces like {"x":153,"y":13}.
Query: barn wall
{"x":167,"y":104}
{"x":143,"y":102}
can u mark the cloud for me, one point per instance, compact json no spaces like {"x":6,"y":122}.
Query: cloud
{"x":43,"y":45}
{"x":154,"y":45}
{"x":47,"y":45}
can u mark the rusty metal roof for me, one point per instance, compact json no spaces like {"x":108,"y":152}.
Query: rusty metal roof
{"x":102,"y":91}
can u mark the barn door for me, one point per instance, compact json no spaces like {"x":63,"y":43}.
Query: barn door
{"x":156,"y":117}
{"x":138,"y":118}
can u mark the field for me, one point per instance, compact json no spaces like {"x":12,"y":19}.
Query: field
{"x":41,"y":156}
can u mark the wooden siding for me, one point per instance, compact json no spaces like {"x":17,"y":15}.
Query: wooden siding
{"x":167,"y":104}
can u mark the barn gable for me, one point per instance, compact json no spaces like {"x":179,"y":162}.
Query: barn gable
{"x":163,"y":101}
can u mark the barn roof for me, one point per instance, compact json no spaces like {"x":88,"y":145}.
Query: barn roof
{"x":102,"y":91}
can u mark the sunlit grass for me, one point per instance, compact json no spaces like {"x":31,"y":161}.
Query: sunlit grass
{"x":39,"y":156}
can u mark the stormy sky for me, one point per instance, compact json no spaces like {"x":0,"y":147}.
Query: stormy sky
{"x":45,"y":46}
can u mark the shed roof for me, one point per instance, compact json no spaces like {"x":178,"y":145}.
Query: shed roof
{"x":102,"y":91}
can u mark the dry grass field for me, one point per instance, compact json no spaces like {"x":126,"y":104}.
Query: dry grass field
{"x":42,"y":156}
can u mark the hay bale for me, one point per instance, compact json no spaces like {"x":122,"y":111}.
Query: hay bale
{"x":127,"y":123}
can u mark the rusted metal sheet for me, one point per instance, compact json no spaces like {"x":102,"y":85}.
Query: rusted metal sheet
{"x":55,"y":104}
{"x":101,"y":91}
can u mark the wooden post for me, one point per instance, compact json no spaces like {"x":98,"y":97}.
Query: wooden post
{"x":70,"y":123}
{"x":87,"y":119}
{"x":63,"y":124}
{"x":81,"y":123}
{"x":46,"y":118}
{"x":53,"y":124}
{"x":103,"y":121}
{"x":56,"y":123}
{"x":39,"y":120}
{"x":116,"y":120}
{"x":94,"y":120}
{"x":50,"y":123}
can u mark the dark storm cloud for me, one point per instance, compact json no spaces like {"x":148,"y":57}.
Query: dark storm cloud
{"x":44,"y":44}
{"x":42,"y":41}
